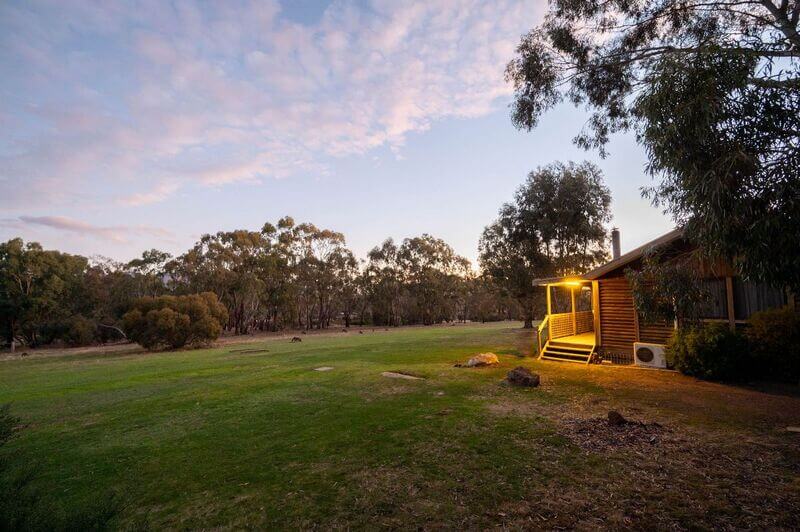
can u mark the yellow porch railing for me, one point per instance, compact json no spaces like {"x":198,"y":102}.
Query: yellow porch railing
{"x":543,"y":332}
{"x":555,"y":326}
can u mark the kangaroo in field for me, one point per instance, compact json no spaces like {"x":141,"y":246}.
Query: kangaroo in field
{"x":296,"y":339}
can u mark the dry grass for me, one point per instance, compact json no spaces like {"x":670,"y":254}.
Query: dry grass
{"x":694,"y":455}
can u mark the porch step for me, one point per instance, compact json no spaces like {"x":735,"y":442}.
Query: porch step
{"x":572,"y":348}
{"x":567,"y":352}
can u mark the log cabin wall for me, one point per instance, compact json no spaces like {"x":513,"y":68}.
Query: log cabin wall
{"x":655,"y":333}
{"x":618,"y":329}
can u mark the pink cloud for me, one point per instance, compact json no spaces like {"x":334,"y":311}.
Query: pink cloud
{"x":157,"y":194}
{"x":119,"y":233}
{"x":219,"y":94}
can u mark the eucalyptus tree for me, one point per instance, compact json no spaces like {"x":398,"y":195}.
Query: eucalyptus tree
{"x":434,"y":276}
{"x":712,"y":91}
{"x":323,"y":268}
{"x":556,"y":225}
{"x":383,"y":283}
{"x":37,"y":288}
{"x":228,"y":264}
{"x":147,"y":273}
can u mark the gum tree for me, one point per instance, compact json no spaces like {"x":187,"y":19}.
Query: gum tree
{"x":712,"y":91}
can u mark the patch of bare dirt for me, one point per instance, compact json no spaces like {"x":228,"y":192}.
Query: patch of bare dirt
{"x":597,"y":434}
{"x":402,"y":375}
{"x":249,"y":351}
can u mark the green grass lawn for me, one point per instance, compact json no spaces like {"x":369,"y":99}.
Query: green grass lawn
{"x":232,"y":438}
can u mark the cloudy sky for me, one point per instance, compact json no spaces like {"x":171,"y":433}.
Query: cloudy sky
{"x":131,"y":125}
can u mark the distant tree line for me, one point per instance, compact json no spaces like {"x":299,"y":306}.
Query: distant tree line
{"x":285,"y":276}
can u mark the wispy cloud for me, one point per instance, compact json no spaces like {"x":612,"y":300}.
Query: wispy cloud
{"x":119,"y":233}
{"x":214,"y":94}
{"x":158,"y":193}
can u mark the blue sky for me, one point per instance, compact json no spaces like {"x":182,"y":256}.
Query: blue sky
{"x":131,"y":125}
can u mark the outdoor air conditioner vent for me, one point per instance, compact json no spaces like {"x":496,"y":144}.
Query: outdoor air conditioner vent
{"x":649,"y":355}
{"x":645,"y":354}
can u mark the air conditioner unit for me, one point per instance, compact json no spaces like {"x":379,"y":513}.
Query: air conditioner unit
{"x":649,"y":355}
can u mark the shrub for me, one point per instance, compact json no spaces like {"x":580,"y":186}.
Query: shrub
{"x":80,"y":331}
{"x":710,"y":351}
{"x":74,"y":332}
{"x":775,"y":340}
{"x":175,"y":321}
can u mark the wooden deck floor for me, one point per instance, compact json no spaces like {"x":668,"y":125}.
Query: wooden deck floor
{"x":586,"y":338}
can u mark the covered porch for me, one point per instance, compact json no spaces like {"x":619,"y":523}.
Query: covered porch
{"x":570,"y":329}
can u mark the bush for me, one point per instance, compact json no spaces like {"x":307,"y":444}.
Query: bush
{"x":74,"y":332}
{"x":80,"y":331}
{"x":710,"y":351}
{"x":775,"y":340}
{"x":175,"y":321}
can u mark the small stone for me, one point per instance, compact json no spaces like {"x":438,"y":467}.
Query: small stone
{"x":323,"y":368}
{"x":521,"y":376}
{"x":615,"y":419}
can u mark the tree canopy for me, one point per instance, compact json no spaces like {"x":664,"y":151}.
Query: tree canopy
{"x":287,"y":275}
{"x":712,"y":90}
{"x":555,"y":226}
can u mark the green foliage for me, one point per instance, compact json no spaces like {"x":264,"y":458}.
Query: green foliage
{"x":555,"y":226}
{"x":711,"y":351}
{"x":666,"y":290}
{"x":421,"y":281}
{"x":726,"y":153}
{"x":286,"y":275}
{"x":81,"y":331}
{"x":775,"y":341}
{"x":75,"y":331}
{"x":37,"y":287}
{"x":712,"y":90}
{"x":175,"y":321}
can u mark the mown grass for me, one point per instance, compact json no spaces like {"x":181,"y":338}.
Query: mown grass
{"x":232,"y":437}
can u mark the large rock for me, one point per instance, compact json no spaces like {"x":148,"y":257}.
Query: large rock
{"x":481,"y":359}
{"x":521,"y":376}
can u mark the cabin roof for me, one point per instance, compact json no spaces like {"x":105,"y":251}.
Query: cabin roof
{"x":633,"y":255}
{"x":623,"y":260}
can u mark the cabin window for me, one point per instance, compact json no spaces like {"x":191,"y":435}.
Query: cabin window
{"x":749,"y":298}
{"x":716,"y":307}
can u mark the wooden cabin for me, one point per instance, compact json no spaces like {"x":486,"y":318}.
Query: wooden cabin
{"x":594,"y":314}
